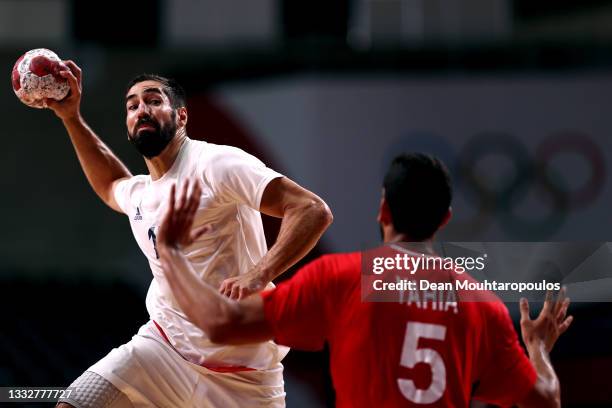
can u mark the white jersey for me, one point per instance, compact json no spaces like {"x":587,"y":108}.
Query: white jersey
{"x":233,"y":183}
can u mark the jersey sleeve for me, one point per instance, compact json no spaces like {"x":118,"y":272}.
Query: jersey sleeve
{"x":296,"y":308}
{"x":236,"y":176}
{"x":508,"y":375}
{"x":123,"y":192}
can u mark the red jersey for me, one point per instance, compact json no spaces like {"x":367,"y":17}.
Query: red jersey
{"x":396,"y":354}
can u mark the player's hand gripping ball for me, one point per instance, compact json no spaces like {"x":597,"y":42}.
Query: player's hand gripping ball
{"x":36,"y":76}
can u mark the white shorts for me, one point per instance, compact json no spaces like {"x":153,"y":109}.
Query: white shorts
{"x":151,"y":373}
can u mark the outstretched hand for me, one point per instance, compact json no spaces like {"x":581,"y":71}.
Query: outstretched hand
{"x":175,"y":230}
{"x":550,"y":323}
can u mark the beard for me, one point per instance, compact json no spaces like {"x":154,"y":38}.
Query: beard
{"x":151,"y":142}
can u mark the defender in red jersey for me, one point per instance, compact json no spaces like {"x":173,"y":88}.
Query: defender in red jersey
{"x":384,"y":354}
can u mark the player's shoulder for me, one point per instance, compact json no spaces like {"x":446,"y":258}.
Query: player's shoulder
{"x":340,"y":263}
{"x":492,"y":309}
{"x":134,"y":182}
{"x":343,"y":258}
{"x":216,"y":153}
{"x":129,"y":190}
{"x":221,"y":160}
{"x":496,"y":308}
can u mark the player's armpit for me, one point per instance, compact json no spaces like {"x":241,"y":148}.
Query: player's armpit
{"x":246,"y":324}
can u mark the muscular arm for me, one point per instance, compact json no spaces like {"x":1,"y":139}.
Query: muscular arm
{"x":305,"y":218}
{"x":102,"y":168}
{"x":546,"y":392}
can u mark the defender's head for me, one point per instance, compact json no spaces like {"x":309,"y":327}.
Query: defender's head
{"x":156,"y":110}
{"x":416,"y":198}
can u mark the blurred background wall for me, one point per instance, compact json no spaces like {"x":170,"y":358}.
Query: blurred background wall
{"x":513,"y":95}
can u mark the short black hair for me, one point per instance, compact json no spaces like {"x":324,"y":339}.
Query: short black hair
{"x":418,"y":192}
{"x":174,"y":91}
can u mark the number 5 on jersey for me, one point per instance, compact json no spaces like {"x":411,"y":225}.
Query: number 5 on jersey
{"x":412,"y":355}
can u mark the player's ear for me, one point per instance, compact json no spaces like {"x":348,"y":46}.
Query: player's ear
{"x":181,"y":116}
{"x":447,"y":217}
{"x":384,"y":212}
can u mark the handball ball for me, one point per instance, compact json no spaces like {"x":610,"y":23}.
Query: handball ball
{"x":36,"y":76}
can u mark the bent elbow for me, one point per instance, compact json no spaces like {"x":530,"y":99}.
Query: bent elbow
{"x":323,"y":213}
{"x":329,"y":217}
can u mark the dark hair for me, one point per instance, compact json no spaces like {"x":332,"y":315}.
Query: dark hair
{"x":418,"y":191}
{"x":174,"y":91}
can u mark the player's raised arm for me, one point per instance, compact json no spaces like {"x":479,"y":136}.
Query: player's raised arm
{"x":224,"y":320}
{"x":305,"y":218}
{"x":102,"y":168}
{"x":539,"y":336}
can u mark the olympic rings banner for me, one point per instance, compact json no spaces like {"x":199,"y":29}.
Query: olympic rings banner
{"x":529,"y":155}
{"x":537,"y":171}
{"x":446,"y":273}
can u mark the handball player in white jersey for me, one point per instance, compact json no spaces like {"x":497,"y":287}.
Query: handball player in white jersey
{"x":170,"y":362}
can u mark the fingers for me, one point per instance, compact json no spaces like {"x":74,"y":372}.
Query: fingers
{"x":171,"y":199}
{"x":524,"y":308}
{"x":166,"y":224}
{"x":188,"y":201}
{"x":74,"y":68}
{"x":192,"y":204}
{"x":562,"y":310}
{"x":231,"y":289}
{"x":235,"y":289}
{"x":199,"y":232}
{"x":558,"y":304}
{"x":195,"y":197}
{"x":566,"y":324}
{"x":563,"y":304}
{"x":183,"y":196}
{"x":72,"y":81}
{"x":170,"y":212}
{"x":235,"y":292}
{"x":187,"y":209}
{"x":50,"y":103}
{"x":177,"y":223}
{"x":180,"y":212}
{"x":225,"y":287}
{"x":548,"y":303}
